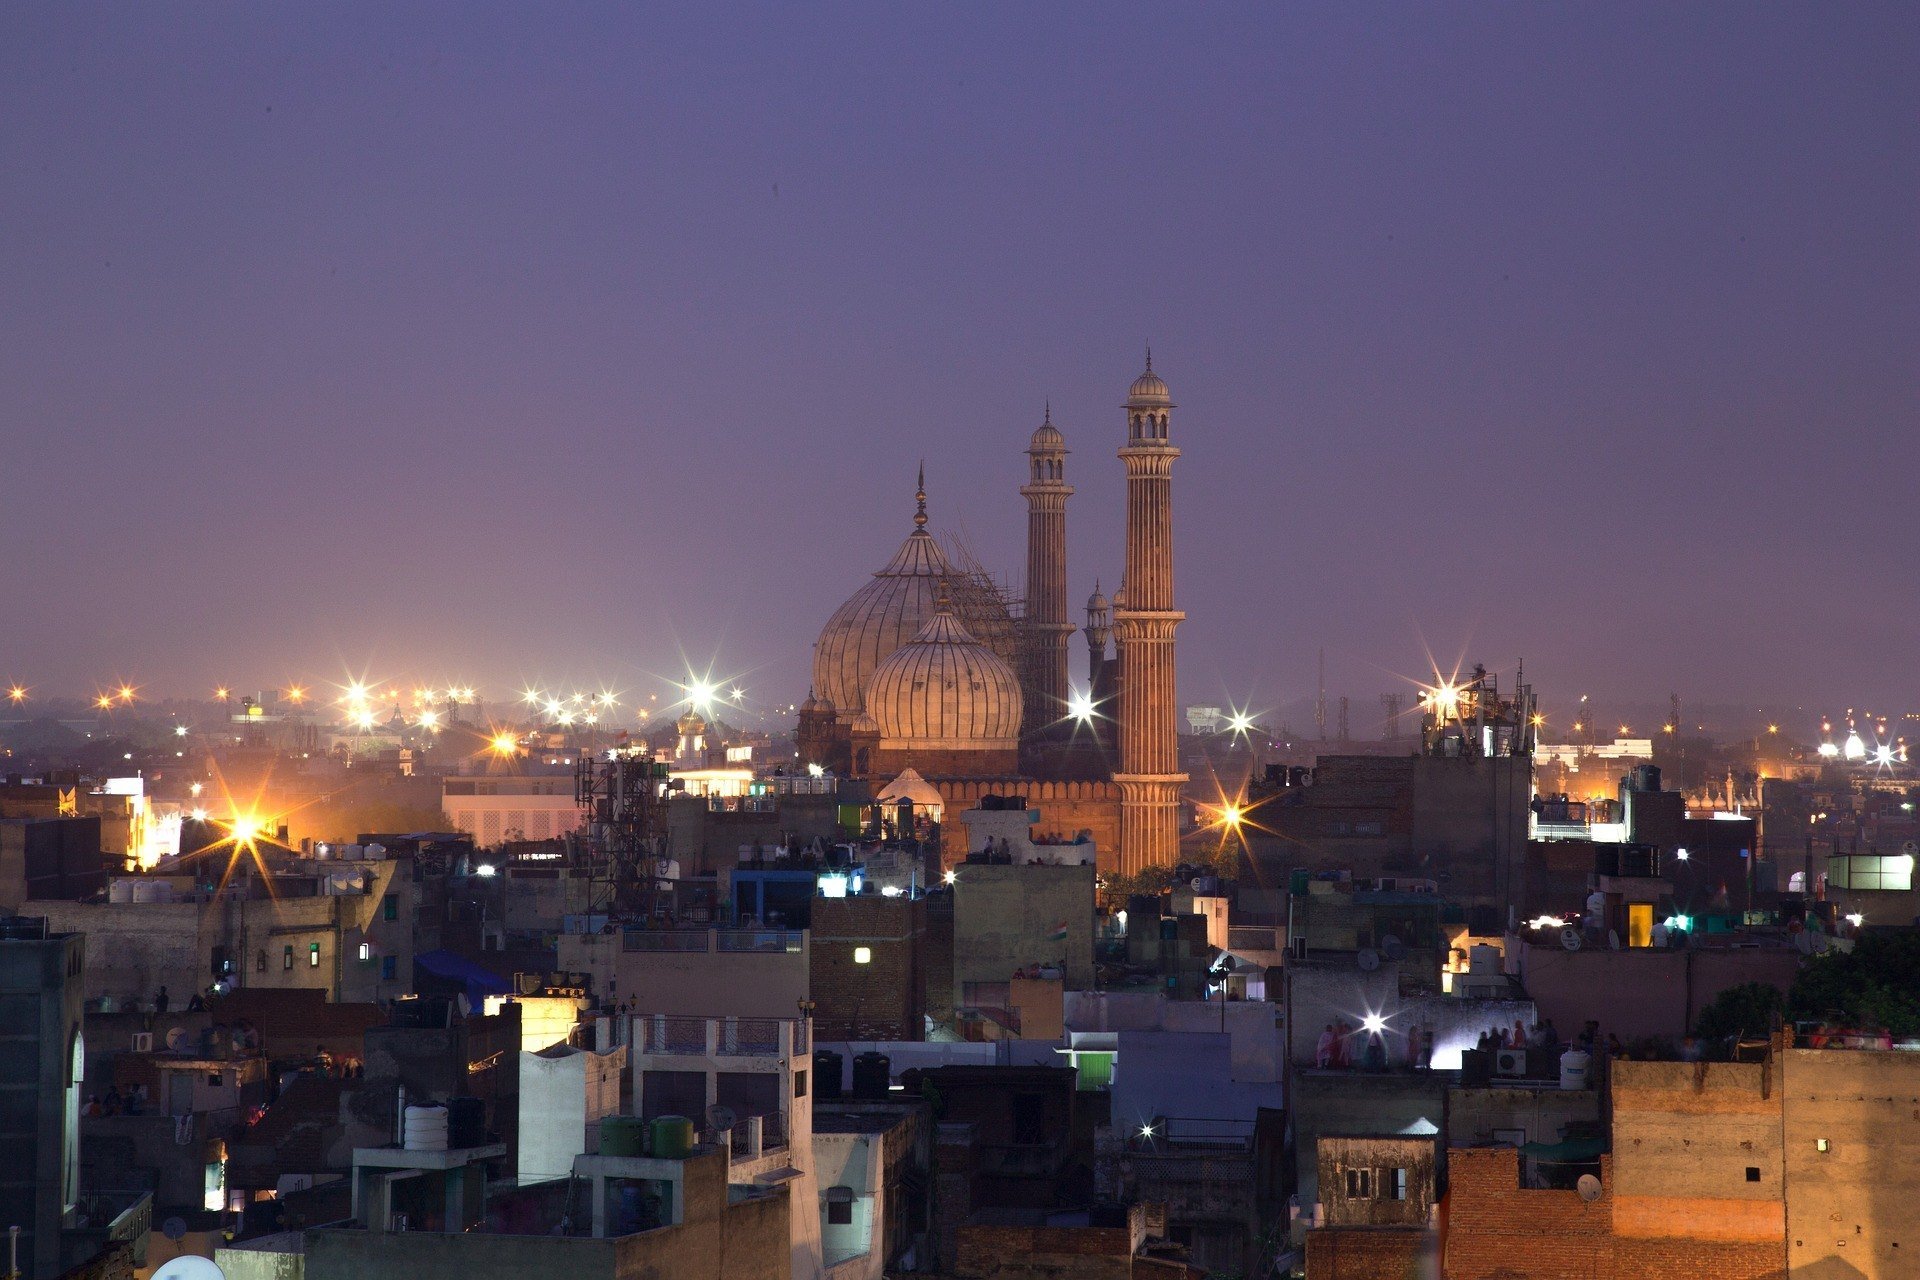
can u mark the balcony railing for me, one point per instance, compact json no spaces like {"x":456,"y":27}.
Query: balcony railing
{"x":719,"y":1037}
{"x":708,"y":941}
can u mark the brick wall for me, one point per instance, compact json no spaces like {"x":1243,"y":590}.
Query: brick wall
{"x":1370,"y":1253}
{"x":1497,"y":1231}
{"x":883,"y":999}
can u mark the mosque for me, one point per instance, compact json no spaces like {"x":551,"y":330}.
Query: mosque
{"x":931,"y":668}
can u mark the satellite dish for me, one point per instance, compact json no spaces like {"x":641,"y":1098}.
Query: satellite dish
{"x":1394,"y":948}
{"x":720,"y":1118}
{"x":1588,"y":1187}
{"x":1570,"y":938}
{"x":177,"y":1039}
{"x":1368,"y":959}
{"x":174,"y":1228}
{"x":190,"y":1266}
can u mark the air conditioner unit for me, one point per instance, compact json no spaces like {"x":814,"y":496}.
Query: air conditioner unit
{"x":1510,"y":1062}
{"x":143,"y":1042}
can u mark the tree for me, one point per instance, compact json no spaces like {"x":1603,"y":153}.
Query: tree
{"x":1746,"y":1011}
{"x":1877,"y":984}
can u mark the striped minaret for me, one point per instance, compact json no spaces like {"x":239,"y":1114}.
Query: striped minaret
{"x":1143,"y":623}
{"x":1048,"y":630}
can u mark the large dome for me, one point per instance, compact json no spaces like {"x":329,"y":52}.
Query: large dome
{"x":945,"y":691}
{"x":891,"y":610}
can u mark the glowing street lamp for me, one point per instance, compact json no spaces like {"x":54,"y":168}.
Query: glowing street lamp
{"x":104,"y":702}
{"x":504,"y":744}
{"x":18,"y":693}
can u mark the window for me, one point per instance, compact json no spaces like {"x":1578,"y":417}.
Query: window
{"x":1753,"y":1173}
{"x":839,"y":1206}
{"x":1396,"y":1184}
{"x":215,"y":1079}
{"x":387,"y":968}
{"x":1359,"y":1184}
{"x":260,"y":960}
{"x":286,"y":957}
{"x":366,"y":951}
{"x":1822,"y":1145}
{"x":799,"y":1084}
{"x":313,"y":955}
{"x":389,"y":908}
{"x":863,"y":955}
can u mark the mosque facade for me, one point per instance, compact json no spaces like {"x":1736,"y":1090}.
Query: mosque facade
{"x":929,"y":666}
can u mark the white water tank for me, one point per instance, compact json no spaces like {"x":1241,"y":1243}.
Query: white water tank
{"x":426,"y":1129}
{"x":121,"y":890}
{"x":1575,"y":1069}
{"x":152,"y":891}
{"x":1483,"y":959}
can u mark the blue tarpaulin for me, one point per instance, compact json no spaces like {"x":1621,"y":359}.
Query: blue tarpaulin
{"x":455,"y":968}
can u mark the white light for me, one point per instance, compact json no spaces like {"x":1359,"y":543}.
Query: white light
{"x":179,"y":731}
{"x":1681,"y":854}
{"x":1373,"y":1023}
{"x":1146,"y":1131}
{"x":1855,"y":919}
{"x":1855,"y":748}
{"x":1080,"y":706}
{"x":484,"y":871}
{"x":863,"y":955}
{"x":833,"y":886}
{"x":1883,"y":755}
{"x":816,"y":771}
{"x":1546,"y":922}
{"x":890,"y":891}
{"x":1828,"y":750}
{"x":951,"y":876}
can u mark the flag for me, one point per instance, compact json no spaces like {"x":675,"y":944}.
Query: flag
{"x":1059,"y":933}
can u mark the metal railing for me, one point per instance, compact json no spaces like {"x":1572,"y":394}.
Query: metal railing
{"x":719,"y":1037}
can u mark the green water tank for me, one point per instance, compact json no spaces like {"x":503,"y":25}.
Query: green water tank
{"x":672,"y":1138}
{"x":623,"y":1136}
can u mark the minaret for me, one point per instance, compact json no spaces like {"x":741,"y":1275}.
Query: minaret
{"x":1144,"y":621}
{"x":1048,"y":631}
{"x":1099,"y":633}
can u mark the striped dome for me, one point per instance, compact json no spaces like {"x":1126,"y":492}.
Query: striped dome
{"x":878,"y":618}
{"x":945,"y":691}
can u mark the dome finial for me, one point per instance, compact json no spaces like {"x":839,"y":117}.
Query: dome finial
{"x":920,"y":497}
{"x":1048,"y":420}
{"x":942,"y":598}
{"x":1149,"y":357}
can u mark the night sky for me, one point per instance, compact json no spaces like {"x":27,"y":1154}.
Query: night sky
{"x":547,"y":343}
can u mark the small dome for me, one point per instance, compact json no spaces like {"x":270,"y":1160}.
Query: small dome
{"x":1047,"y":437}
{"x":1149,"y":390}
{"x":1098,"y":603}
{"x":811,"y":705}
{"x":945,"y":691}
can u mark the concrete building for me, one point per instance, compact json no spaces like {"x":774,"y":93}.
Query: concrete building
{"x":43,"y":1044}
{"x":871,"y":1161}
{"x":756,"y":1068}
{"x":564,"y":1093}
{"x":511,"y":807}
{"x":756,"y":973}
{"x":1012,"y":921}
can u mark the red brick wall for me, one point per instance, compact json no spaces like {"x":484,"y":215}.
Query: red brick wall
{"x":1496,"y":1231}
{"x":1369,"y":1253}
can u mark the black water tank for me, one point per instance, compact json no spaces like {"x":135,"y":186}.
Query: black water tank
{"x":872,"y":1076}
{"x":466,"y":1123}
{"x":826,"y":1075}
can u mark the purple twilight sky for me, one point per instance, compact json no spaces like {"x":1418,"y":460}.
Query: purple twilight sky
{"x":542,"y":343}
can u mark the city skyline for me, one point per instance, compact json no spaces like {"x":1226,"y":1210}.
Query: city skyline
{"x":1550,"y":337}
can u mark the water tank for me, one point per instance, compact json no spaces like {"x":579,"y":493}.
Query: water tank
{"x":827,"y":1067}
{"x":376,"y":852}
{"x":466,"y":1123}
{"x":672,"y":1138}
{"x":623,"y":1136}
{"x":1483,"y":959}
{"x":872,"y":1076}
{"x":426,"y":1129}
{"x":121,"y":890}
{"x":1575,"y":1067}
{"x":147,"y":890}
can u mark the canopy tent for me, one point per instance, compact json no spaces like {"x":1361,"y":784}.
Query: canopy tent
{"x":914,"y":789}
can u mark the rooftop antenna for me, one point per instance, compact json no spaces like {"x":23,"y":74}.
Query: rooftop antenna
{"x":1320,"y":699}
{"x":1390,"y":703}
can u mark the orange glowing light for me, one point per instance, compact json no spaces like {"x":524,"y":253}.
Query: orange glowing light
{"x":222,"y":692}
{"x":504,"y":744}
{"x":18,"y":693}
{"x":126,"y":693}
{"x":296,"y":694}
{"x":104,"y":702}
